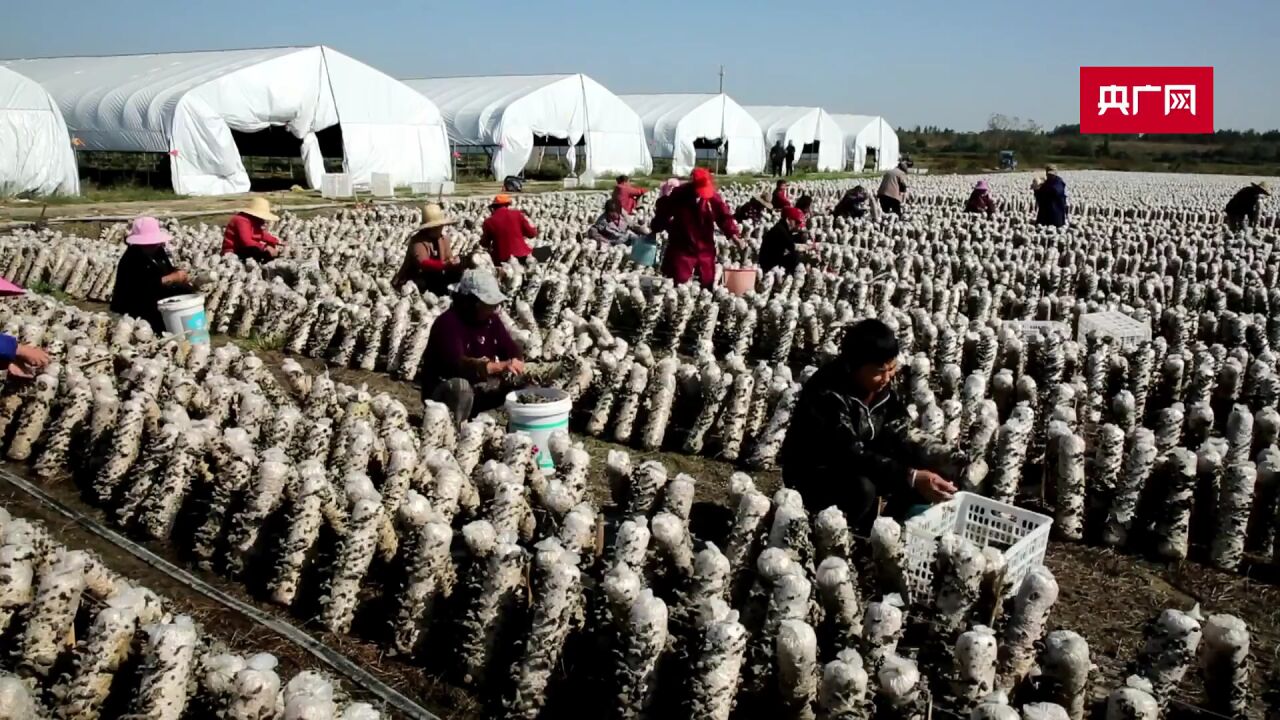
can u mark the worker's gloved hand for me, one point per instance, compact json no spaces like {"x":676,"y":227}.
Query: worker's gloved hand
{"x":932,"y":486}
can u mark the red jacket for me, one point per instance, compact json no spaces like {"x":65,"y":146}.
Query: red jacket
{"x":626,"y":195}
{"x":780,"y":199}
{"x":504,"y":234}
{"x":691,"y":222}
{"x":245,"y":231}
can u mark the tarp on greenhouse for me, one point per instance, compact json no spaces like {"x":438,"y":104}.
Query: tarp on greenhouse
{"x":867,"y":131}
{"x":802,"y":126}
{"x":188,"y":104}
{"x":511,"y":112}
{"x":36,"y":156}
{"x":674,"y":122}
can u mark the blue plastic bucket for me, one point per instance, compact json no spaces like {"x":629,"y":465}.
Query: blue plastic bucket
{"x":644,"y":251}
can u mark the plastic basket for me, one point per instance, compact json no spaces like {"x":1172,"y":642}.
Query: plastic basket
{"x":336,"y":185}
{"x":1022,"y":535}
{"x":380,"y":185}
{"x":1126,"y":331}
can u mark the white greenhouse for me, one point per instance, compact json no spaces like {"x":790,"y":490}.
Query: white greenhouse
{"x":810,"y":128}
{"x":868,"y":132}
{"x":679,"y":125}
{"x":511,"y":115}
{"x":36,"y":156}
{"x":200,"y":107}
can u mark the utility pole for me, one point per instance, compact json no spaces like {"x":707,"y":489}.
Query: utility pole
{"x":721,"y":79}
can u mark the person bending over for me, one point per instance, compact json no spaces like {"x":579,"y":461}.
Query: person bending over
{"x":471,"y":362}
{"x":849,"y":443}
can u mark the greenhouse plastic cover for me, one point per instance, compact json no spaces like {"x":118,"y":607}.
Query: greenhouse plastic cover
{"x":187,"y":104}
{"x":867,"y":131}
{"x":35,"y":150}
{"x":673,"y":121}
{"x":508,"y":111}
{"x":802,"y":125}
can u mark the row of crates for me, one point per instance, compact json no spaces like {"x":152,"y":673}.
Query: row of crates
{"x":339,"y":185}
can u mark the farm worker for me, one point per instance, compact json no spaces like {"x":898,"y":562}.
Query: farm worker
{"x":146,"y":275}
{"x":668,"y":186}
{"x":781,"y":200}
{"x":246,"y":234}
{"x":429,"y":261}
{"x":626,"y":194}
{"x":804,"y":203}
{"x":791,"y":157}
{"x":505,"y":231}
{"x":780,"y":245}
{"x":893,"y":188}
{"x":753,"y":209}
{"x":848,"y":444}
{"x":1246,"y":205}
{"x":613,"y":227}
{"x":1051,"y":198}
{"x":690,"y":215}
{"x":980,"y":200}
{"x":777,"y":156}
{"x":471,"y":362}
{"x":852,"y":204}
{"x":21,"y":360}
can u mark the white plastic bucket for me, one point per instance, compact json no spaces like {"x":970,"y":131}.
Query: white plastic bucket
{"x":540,"y":419}
{"x":184,"y":315}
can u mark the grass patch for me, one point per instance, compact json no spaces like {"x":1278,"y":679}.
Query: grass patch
{"x":43,"y":288}
{"x":260,"y":343}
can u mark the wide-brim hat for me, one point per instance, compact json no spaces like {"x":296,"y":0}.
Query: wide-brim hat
{"x":1051,"y":169}
{"x":703,"y":183}
{"x":9,"y":289}
{"x":982,"y":185}
{"x":1264,"y":186}
{"x":147,"y":231}
{"x":481,"y":285}
{"x":260,"y":208}
{"x":433,"y":216}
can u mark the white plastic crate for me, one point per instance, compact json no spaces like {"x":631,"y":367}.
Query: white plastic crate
{"x":421,"y":188}
{"x":570,"y":183}
{"x":1126,"y":331}
{"x":380,"y":185}
{"x":336,"y":185}
{"x":447,"y":187}
{"x":1022,"y":535}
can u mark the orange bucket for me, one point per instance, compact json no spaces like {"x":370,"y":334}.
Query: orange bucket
{"x":740,"y":281}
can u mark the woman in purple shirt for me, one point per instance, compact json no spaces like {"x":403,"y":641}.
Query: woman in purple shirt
{"x":471,"y":362}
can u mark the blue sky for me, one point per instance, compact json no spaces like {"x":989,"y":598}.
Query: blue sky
{"x":931,"y":62}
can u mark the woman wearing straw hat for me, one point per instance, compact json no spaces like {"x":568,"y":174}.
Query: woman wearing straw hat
{"x":22,"y":360}
{"x":246,"y":234}
{"x":429,"y":262}
{"x":1246,"y":205}
{"x":146,"y":275}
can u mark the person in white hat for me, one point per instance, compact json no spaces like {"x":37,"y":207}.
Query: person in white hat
{"x":1246,"y":205}
{"x":246,"y":233}
{"x":429,"y":261}
{"x":146,"y":275}
{"x":471,"y":362}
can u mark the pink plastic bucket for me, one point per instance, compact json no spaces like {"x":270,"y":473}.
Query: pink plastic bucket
{"x":740,"y":281}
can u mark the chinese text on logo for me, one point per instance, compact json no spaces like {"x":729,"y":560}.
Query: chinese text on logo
{"x":1130,"y":100}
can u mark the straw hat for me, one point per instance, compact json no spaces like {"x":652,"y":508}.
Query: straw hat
{"x":259,"y":208}
{"x":1264,"y":186}
{"x":1051,"y":169}
{"x":147,"y":231}
{"x":433,"y":217}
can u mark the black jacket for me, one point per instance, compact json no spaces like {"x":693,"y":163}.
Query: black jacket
{"x":779,"y":247}
{"x":833,"y":436}
{"x":1245,"y":203}
{"x":1051,"y":202}
{"x":138,"y":287}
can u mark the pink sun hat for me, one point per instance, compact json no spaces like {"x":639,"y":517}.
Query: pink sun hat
{"x":147,"y":231}
{"x":982,"y":185}
{"x":8,"y":289}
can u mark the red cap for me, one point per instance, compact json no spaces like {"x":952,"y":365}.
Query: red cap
{"x":793,"y":213}
{"x":701,"y":180}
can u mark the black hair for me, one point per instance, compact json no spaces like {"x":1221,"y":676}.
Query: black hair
{"x":622,"y":179}
{"x":804,"y":203}
{"x":780,"y":183}
{"x":869,"y":342}
{"x":612,"y":205}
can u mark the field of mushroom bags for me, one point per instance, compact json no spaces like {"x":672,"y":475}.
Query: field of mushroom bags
{"x":80,"y":641}
{"x":365,"y":515}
